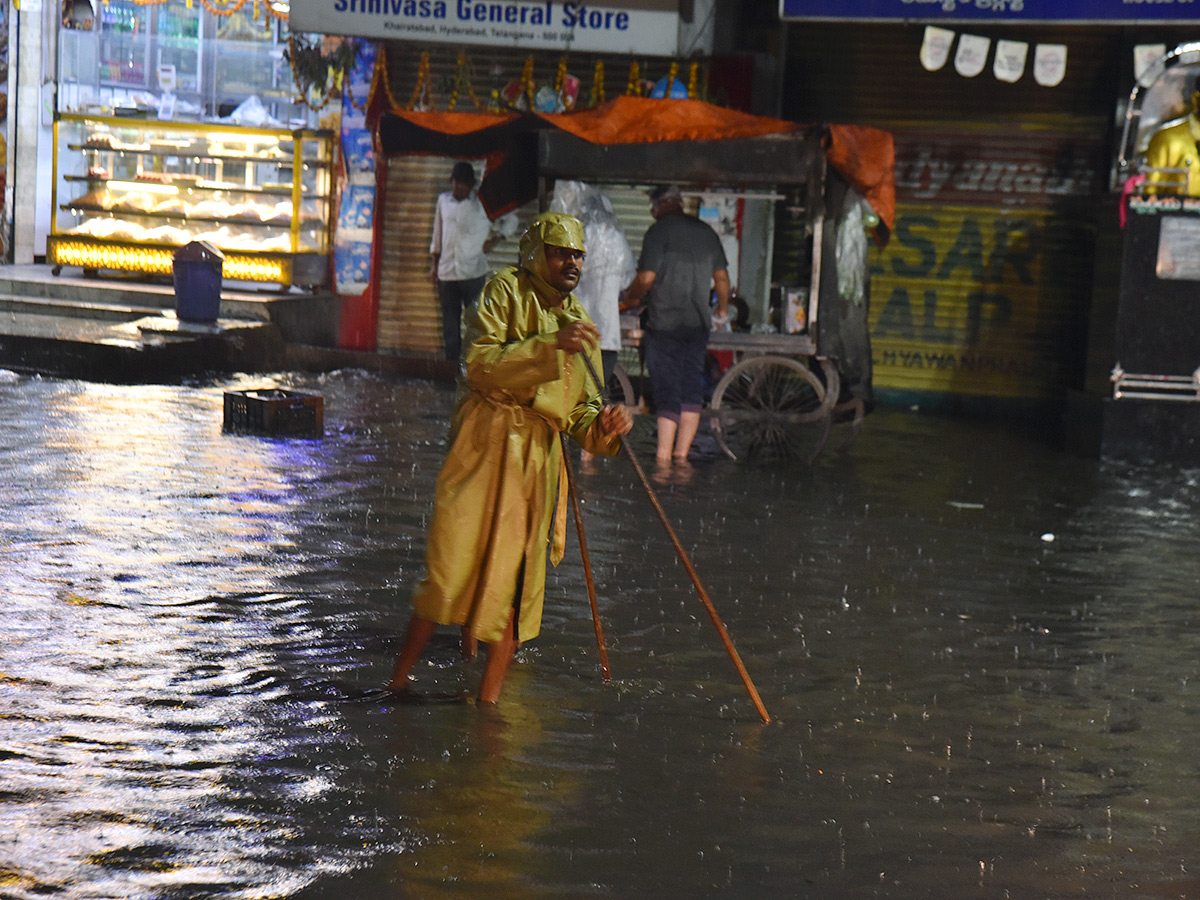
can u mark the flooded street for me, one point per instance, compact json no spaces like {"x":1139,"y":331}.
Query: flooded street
{"x":980,"y":655}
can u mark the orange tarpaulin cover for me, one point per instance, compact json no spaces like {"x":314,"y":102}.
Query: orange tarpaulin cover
{"x":865,"y":156}
{"x":454,"y":122}
{"x":637,"y":120}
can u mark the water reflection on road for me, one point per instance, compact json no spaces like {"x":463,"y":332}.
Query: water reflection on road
{"x":979,"y":653}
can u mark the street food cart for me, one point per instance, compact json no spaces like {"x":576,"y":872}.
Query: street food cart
{"x":806,"y":361}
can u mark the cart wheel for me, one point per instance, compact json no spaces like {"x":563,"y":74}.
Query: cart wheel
{"x":620,"y":390}
{"x":773,"y":407}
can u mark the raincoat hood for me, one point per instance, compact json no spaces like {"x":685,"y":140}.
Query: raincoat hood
{"x":554,"y":229}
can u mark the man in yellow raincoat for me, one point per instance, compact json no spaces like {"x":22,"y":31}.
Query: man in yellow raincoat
{"x":1173,"y":156}
{"x":501,"y":495}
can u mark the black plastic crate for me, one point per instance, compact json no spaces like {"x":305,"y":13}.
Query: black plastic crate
{"x":275,"y":412}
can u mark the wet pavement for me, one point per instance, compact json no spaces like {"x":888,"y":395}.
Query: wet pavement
{"x":980,"y":655}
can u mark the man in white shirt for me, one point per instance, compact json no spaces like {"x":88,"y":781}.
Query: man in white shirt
{"x":462,"y":235}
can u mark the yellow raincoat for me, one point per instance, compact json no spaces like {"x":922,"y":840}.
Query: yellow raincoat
{"x":503,"y":484}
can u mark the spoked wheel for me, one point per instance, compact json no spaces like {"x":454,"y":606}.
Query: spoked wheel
{"x":773,"y":407}
{"x":620,"y":389}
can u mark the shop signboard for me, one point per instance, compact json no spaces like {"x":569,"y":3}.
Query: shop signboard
{"x":650,"y":27}
{"x":1065,"y":11}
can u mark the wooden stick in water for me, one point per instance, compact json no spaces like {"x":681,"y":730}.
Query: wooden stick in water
{"x":687,"y":563}
{"x":587,"y":562}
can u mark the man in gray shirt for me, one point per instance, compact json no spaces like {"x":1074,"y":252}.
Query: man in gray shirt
{"x":682,"y":261}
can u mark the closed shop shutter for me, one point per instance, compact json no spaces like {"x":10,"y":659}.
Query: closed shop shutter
{"x":410,"y":319}
{"x":632,"y":207}
{"x":984,"y":289}
{"x":985,"y":285}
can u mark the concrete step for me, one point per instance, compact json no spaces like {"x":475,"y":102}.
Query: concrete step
{"x":35,"y":290}
{"x":78,"y":309}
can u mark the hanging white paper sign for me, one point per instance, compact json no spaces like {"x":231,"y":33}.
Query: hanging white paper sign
{"x":1049,"y":64}
{"x":972,"y":55}
{"x":1144,"y":58}
{"x":935,"y":49}
{"x":1009,"y":64}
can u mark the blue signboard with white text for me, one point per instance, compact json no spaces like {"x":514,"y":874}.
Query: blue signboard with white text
{"x":1000,"y":11}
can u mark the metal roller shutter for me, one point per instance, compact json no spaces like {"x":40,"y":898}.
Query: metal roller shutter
{"x":985,"y":287}
{"x":410,"y":319}
{"x":962,"y":302}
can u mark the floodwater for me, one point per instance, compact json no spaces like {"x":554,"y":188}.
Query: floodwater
{"x":980,"y":656}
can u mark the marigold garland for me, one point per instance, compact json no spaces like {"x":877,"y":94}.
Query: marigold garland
{"x":269,"y":7}
{"x":634,"y":87}
{"x":527,"y":81}
{"x":560,"y":83}
{"x":560,"y":74}
{"x":597,"y":94}
{"x":376,"y":73}
{"x":453,"y":101}
{"x":229,"y":11}
{"x":381,"y":73}
{"x":693,"y":76}
{"x":422,"y":88}
{"x":462,"y":76}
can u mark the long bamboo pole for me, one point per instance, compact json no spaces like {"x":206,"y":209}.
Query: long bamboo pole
{"x":687,"y":563}
{"x":587,"y":563}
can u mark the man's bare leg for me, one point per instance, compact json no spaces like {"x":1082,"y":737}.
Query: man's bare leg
{"x":666,"y":439}
{"x":499,"y":655}
{"x":689,"y":424}
{"x":470,"y":646}
{"x":415,"y":638}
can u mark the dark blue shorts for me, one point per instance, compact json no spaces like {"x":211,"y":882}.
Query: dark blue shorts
{"x":676,"y":363}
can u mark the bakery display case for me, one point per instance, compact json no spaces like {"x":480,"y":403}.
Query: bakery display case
{"x":129,"y":192}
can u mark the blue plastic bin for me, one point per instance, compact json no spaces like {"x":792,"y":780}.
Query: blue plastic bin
{"x":197,"y":271}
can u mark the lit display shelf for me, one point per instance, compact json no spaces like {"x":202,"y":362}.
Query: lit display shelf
{"x":129,"y":192}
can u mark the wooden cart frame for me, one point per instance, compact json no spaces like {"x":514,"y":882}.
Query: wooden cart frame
{"x":781,"y":395}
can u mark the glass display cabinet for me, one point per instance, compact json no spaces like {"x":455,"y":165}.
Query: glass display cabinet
{"x":135,"y":54}
{"x":129,"y":192}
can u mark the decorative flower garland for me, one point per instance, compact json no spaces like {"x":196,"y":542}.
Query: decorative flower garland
{"x":597,"y":95}
{"x":527,"y":81}
{"x":560,"y":82}
{"x":634,"y":87}
{"x":269,"y":7}
{"x":422,"y":91}
{"x":376,"y":73}
{"x":693,"y":75}
{"x":226,"y":12}
{"x":462,"y":76}
{"x":381,"y":75}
